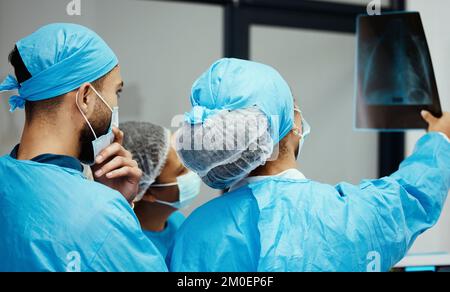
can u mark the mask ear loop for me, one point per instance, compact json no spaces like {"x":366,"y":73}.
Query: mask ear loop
{"x":164,"y":185}
{"x":101,"y":97}
{"x":104,"y":101}
{"x":297,"y":129}
{"x":84,"y":116}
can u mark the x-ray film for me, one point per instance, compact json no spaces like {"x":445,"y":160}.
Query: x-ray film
{"x":395,"y":77}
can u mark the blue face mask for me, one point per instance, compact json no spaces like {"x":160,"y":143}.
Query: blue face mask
{"x":189,"y":188}
{"x":100,"y":143}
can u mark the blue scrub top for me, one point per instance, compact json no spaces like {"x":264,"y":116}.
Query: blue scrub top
{"x":163,"y":240}
{"x":283,"y":224}
{"x":53,"y":219}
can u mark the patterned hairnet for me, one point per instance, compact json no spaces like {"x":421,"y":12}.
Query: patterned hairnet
{"x":226,"y":147}
{"x":149,"y":144}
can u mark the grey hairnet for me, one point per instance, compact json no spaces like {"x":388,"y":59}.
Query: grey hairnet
{"x":149,"y":144}
{"x":226,"y":147}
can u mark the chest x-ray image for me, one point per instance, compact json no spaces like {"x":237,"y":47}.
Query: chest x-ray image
{"x":394,"y":73}
{"x":401,"y":56}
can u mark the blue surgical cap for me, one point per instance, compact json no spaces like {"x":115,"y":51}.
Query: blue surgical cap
{"x":60,"y":58}
{"x":232,"y":84}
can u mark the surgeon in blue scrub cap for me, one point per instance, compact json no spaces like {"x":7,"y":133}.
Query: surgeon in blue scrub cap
{"x":52,"y":218}
{"x":275,"y":219}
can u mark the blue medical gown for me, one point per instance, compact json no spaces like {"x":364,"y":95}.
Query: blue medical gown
{"x":163,"y":240}
{"x":53,"y":219}
{"x":281,"y":224}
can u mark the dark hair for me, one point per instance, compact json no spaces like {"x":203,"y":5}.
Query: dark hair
{"x":21,"y":71}
{"x":47,"y":106}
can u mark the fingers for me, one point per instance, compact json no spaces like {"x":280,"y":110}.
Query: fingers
{"x":118,"y":135}
{"x":133,"y":174}
{"x":115,"y":149}
{"x":428,"y":117}
{"x":110,"y":169}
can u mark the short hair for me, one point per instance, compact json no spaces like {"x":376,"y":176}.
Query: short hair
{"x":48,"y":106}
{"x":20,"y":70}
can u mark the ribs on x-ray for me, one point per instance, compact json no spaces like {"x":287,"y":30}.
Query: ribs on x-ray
{"x":395,"y":68}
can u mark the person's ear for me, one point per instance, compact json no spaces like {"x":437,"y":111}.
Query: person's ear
{"x":296,"y":130}
{"x":85,"y":99}
{"x":298,"y":126}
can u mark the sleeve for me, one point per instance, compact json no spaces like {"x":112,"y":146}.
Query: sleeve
{"x":126,"y":248}
{"x":398,"y":208}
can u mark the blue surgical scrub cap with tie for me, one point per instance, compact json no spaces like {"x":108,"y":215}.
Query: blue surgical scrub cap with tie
{"x":240,"y":111}
{"x":233,"y":84}
{"x":60,"y":58}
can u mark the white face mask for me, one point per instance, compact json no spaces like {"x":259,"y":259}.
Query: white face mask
{"x":306,"y":130}
{"x":100,"y":143}
{"x":189,"y":188}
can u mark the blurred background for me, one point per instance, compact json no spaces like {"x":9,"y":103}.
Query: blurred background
{"x":163,"y":46}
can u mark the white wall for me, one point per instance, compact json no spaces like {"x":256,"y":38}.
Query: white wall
{"x":162,"y":48}
{"x":435,"y":16}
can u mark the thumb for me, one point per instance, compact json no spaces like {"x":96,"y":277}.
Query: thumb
{"x":118,"y":135}
{"x":428,"y":117}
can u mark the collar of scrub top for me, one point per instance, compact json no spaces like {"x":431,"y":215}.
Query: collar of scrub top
{"x":58,"y":160}
{"x":288,"y":174}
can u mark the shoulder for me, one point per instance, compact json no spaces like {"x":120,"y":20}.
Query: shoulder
{"x":221,"y":235}
{"x":231,"y":214}
{"x":177,"y":219}
{"x":123,"y":241}
{"x":224,"y":209}
{"x":108,"y":206}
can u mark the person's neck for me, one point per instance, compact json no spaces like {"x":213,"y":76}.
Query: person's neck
{"x":39,"y":137}
{"x":153,"y":216}
{"x":272,"y":168}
